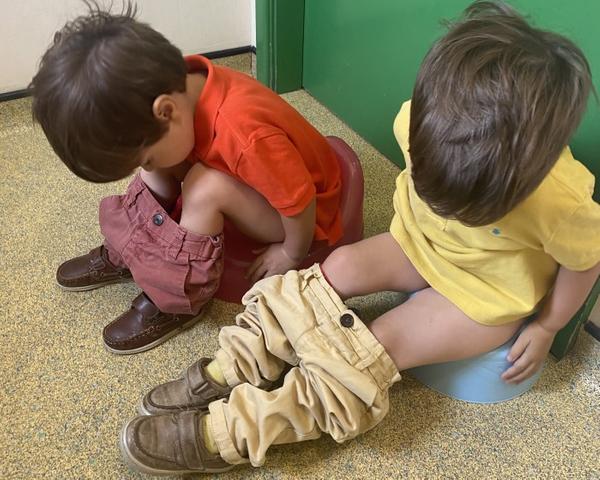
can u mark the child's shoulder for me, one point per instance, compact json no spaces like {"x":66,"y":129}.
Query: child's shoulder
{"x":248,"y":111}
{"x":567,"y":214}
{"x":563,"y":199}
{"x":243,"y":93}
{"x":569,"y":178}
{"x":568,"y":186}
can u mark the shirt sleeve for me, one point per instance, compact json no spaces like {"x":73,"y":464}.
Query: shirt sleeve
{"x":575,"y":244}
{"x":274,"y":167}
{"x":401,"y":130}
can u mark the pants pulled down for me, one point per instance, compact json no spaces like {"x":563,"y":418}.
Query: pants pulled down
{"x":339,"y":378}
{"x":179,"y":270}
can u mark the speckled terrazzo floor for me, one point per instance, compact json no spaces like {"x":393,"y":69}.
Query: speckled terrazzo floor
{"x":63,"y":398}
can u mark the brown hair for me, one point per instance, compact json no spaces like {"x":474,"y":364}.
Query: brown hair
{"x":495,"y":103}
{"x":95,"y":87}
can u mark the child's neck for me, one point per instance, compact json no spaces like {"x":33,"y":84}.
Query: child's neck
{"x":194,"y":83}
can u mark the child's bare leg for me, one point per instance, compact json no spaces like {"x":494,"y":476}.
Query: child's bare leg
{"x":210,"y":195}
{"x":372,"y":265}
{"x":428,"y":328}
{"x":165,"y":183}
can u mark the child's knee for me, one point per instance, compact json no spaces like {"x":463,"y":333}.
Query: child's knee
{"x":338,"y":263}
{"x":196,"y":187}
{"x":201,"y":194}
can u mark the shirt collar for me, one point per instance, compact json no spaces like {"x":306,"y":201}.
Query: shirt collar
{"x":208,"y":104}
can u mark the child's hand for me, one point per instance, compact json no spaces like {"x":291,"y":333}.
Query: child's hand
{"x":528,"y":353}
{"x":272,"y":261}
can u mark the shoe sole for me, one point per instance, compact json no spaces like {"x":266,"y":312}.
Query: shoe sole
{"x":142,"y":410}
{"x":135,"y":464}
{"x":160,"y":340}
{"x":86,"y":288}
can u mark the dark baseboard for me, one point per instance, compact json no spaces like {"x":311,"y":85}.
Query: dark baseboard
{"x":5,"y":97}
{"x":229,"y":52}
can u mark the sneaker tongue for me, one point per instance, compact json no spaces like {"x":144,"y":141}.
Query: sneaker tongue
{"x":199,"y":381}
{"x":106,"y":257}
{"x":191,"y":440}
{"x":208,"y":436}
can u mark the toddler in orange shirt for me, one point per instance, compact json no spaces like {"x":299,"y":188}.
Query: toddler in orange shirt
{"x":112,"y":94}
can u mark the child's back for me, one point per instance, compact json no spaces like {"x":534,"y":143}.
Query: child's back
{"x":245,"y":129}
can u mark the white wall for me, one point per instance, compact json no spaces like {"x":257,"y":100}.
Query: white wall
{"x":195,"y":26}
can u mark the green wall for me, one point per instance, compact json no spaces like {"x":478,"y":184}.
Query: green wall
{"x":361,"y":58}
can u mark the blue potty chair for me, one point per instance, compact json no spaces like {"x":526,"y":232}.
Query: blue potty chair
{"x":475,"y":380}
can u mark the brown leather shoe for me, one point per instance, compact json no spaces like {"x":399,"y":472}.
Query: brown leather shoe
{"x":144,"y":327}
{"x":192,"y":392}
{"x":90,"y":271}
{"x":169,"y":445}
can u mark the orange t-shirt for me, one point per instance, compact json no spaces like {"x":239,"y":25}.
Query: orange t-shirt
{"x":246,"y":130}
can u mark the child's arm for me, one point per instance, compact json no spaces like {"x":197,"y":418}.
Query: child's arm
{"x":278,"y":258}
{"x":529,"y":351}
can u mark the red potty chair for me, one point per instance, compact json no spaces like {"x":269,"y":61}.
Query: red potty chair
{"x":239,"y":247}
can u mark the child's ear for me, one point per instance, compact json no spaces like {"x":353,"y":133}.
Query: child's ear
{"x":164,"y":107}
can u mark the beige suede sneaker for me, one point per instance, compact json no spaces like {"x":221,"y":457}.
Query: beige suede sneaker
{"x":194,"y":391}
{"x":169,"y":445}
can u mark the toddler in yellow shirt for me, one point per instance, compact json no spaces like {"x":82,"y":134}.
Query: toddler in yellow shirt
{"x":494,"y":220}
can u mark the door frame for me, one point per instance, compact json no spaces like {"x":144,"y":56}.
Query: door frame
{"x":280,"y":43}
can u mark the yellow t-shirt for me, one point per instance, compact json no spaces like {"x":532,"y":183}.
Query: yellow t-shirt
{"x":498,"y":273}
